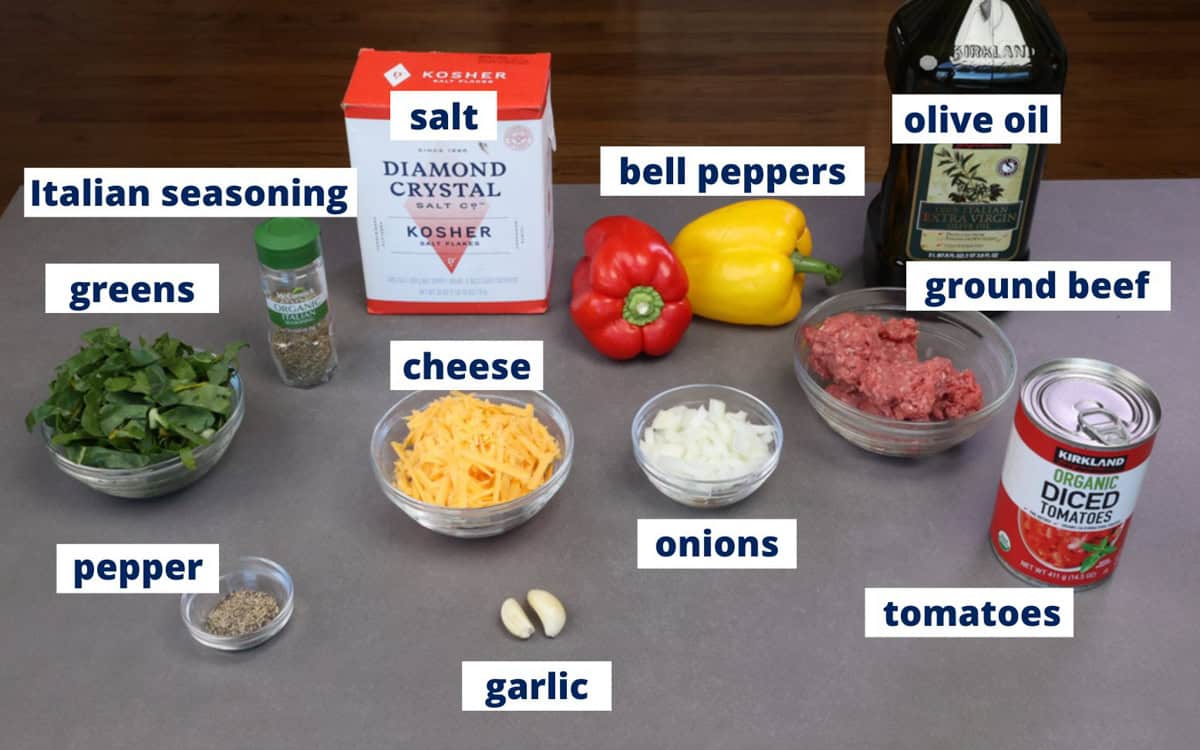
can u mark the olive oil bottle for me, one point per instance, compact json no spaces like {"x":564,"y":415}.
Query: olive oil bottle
{"x":962,"y":201}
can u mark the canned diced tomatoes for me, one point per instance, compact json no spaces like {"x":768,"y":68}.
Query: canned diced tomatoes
{"x":1076,"y":458}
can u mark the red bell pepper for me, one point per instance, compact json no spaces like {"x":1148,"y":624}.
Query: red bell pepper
{"x":629,"y":292}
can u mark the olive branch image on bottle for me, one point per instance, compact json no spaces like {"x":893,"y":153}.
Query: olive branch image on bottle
{"x":969,"y":186}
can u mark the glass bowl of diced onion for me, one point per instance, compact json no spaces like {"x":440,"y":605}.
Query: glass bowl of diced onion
{"x":705,"y":445}
{"x":471,"y":522}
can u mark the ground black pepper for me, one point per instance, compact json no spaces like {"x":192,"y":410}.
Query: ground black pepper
{"x":241,"y":612}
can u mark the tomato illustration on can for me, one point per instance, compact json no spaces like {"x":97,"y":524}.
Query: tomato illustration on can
{"x":1076,"y":458}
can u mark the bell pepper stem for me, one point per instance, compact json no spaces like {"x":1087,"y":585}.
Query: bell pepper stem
{"x":643,"y":305}
{"x":808,"y":264}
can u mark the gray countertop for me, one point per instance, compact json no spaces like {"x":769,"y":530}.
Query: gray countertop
{"x":386,"y":611}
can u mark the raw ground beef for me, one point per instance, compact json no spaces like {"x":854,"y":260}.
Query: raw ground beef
{"x":872,"y":364}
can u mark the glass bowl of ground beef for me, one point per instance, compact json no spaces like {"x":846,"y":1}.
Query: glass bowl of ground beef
{"x":902,"y":383}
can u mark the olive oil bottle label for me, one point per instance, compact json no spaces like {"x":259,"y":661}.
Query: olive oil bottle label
{"x":299,"y":309}
{"x":969,"y":201}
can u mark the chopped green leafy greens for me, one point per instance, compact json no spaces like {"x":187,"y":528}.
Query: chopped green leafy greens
{"x":117,"y":406}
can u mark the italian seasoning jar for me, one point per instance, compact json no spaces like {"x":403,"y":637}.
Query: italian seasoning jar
{"x":300,"y":328}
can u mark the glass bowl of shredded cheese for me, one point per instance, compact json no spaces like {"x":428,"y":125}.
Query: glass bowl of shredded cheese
{"x":472,"y":465}
{"x":705,"y":445}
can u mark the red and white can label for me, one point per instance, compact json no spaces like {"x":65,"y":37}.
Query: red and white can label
{"x":1062,"y":511}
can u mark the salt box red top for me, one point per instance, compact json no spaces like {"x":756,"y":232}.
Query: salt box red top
{"x":521,"y":82}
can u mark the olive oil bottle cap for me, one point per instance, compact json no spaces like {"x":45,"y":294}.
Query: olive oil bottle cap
{"x":287,"y":243}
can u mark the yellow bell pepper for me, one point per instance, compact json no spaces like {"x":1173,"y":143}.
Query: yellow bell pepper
{"x":746,"y":262}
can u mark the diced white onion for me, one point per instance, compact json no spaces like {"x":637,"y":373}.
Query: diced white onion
{"x":706,"y":443}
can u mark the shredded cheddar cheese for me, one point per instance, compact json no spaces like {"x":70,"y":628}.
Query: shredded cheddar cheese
{"x":466,"y":452}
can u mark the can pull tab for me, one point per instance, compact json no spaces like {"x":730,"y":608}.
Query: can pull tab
{"x":1100,"y":424}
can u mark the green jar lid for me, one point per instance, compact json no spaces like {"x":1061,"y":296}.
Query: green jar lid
{"x":287,"y":243}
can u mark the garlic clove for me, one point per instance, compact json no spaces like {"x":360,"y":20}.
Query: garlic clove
{"x":548,"y":609}
{"x":515,"y":620}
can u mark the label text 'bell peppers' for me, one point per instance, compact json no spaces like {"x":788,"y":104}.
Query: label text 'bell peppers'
{"x":659,"y":171}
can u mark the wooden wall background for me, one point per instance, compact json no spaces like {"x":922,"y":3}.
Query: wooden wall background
{"x":258,"y":82}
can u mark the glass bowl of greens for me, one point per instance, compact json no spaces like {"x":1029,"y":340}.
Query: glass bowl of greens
{"x":140,"y":421}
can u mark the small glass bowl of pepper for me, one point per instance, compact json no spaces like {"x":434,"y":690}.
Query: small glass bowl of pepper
{"x":239,"y":616}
